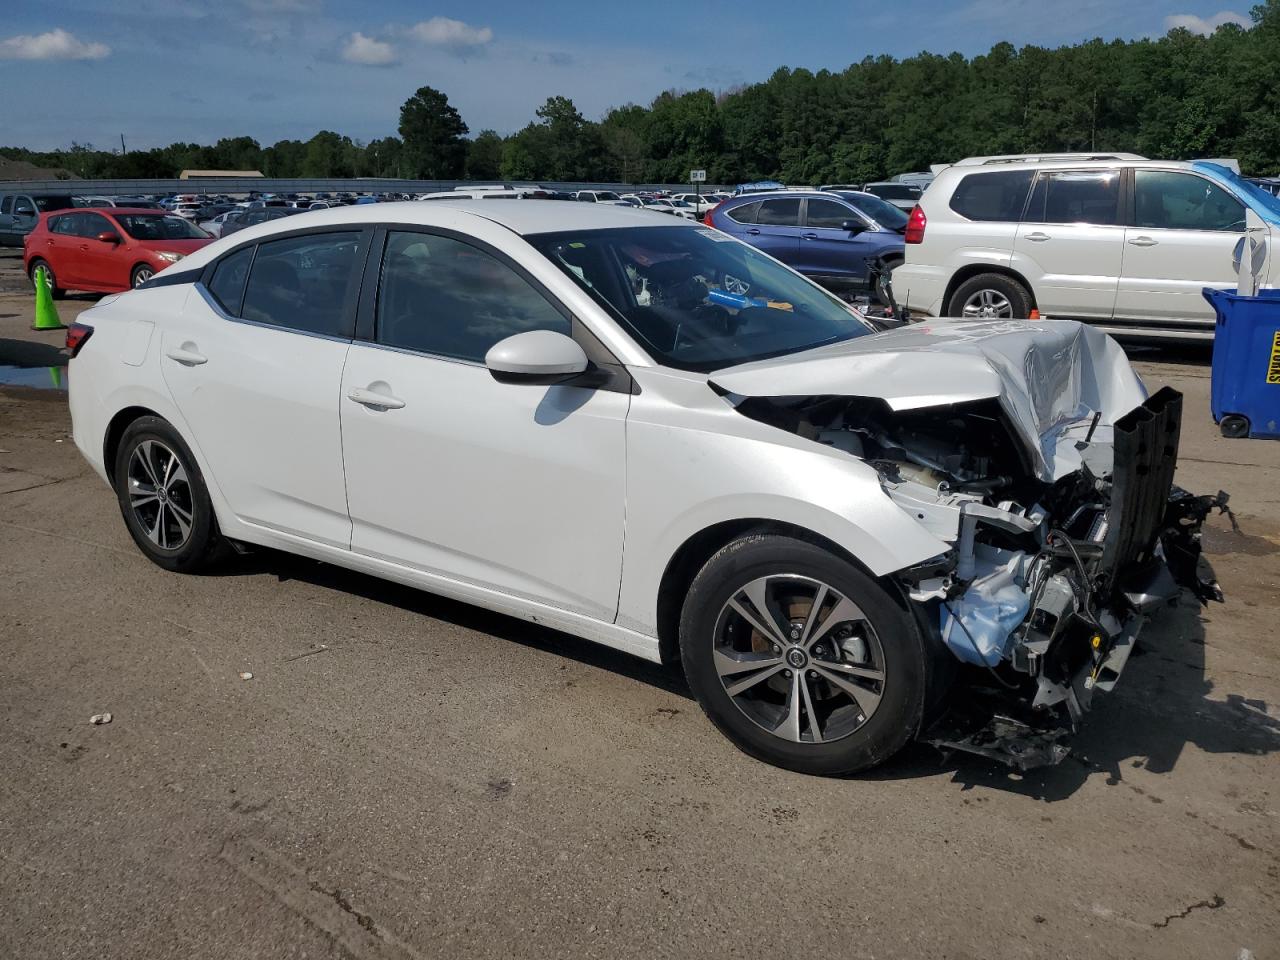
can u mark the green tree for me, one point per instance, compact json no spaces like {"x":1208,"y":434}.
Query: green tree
{"x":484,"y":156}
{"x":432,"y":132}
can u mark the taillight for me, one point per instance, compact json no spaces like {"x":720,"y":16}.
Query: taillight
{"x":706,"y":217}
{"x":915,"y":225}
{"x":77,"y":336}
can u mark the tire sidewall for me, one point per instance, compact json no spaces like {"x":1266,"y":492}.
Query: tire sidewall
{"x":1018,"y":296}
{"x":204,"y":538}
{"x":898,"y":716}
{"x":54,"y":290}
{"x":133,"y":275}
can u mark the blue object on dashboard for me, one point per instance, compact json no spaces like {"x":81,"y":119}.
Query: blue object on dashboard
{"x":762,"y":186}
{"x":738,"y":301}
{"x":1244,"y":394}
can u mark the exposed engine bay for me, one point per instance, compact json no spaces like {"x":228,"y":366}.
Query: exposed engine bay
{"x":1059,"y":554}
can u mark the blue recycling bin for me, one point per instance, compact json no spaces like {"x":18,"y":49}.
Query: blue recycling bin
{"x":1245,"y":390}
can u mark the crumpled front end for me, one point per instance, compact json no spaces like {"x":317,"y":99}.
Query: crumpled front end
{"x":1033,"y":451}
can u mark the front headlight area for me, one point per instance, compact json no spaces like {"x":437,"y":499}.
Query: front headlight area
{"x":170,"y":256}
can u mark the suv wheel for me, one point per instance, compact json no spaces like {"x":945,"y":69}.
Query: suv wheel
{"x":800,"y":658}
{"x":990,"y":296}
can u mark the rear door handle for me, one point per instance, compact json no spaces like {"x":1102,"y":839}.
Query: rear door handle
{"x":1143,"y":241}
{"x":187,"y":357}
{"x":808,"y":236}
{"x":369,"y":398}
{"x":1038,"y":237}
{"x":753,"y":232}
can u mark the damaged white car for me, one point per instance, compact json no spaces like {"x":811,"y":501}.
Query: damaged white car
{"x":655,"y":437}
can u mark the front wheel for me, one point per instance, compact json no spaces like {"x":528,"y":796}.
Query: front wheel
{"x":141,"y":274}
{"x":800,"y":658}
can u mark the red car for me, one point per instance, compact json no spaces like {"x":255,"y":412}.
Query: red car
{"x":108,"y":249}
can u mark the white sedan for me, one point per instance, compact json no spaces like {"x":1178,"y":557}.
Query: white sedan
{"x":645,"y":433}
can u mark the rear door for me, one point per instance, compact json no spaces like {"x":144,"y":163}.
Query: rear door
{"x":827,"y":249}
{"x":777,"y":229}
{"x":1070,"y":242}
{"x":1185,"y":228}
{"x":254,"y":363}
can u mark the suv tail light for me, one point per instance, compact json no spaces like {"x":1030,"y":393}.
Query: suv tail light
{"x":706,"y":217}
{"x":915,"y":225}
{"x":77,"y":336}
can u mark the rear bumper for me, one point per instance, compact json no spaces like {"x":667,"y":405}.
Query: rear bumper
{"x":920,"y":288}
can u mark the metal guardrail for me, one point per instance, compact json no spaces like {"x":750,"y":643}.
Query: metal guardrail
{"x":244,"y":185}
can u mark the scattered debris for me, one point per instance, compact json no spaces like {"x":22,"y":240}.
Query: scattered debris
{"x":98,"y":719}
{"x":306,"y":653}
{"x":246,"y":675}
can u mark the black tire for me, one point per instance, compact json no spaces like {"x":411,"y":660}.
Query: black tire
{"x":141,"y":274}
{"x":200,"y":546}
{"x":1001,"y":288}
{"x":1234,"y":426}
{"x":902,"y":694}
{"x":56,"y":291}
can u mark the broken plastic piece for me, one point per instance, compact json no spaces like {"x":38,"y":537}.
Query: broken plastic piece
{"x":246,"y":675}
{"x":98,"y":719}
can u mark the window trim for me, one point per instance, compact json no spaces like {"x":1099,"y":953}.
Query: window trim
{"x":1132,"y":218}
{"x":365,"y":232}
{"x":616,"y":378}
{"x":1124,"y":198}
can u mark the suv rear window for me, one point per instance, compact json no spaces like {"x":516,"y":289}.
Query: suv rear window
{"x":992,"y":196}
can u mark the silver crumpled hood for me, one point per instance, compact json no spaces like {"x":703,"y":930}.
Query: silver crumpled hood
{"x":1046,"y":374}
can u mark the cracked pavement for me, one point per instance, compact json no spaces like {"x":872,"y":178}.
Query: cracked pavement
{"x":408,"y":777}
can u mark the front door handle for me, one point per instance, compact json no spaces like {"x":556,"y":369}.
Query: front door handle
{"x":368,"y":398}
{"x":1038,"y":237}
{"x":1143,"y":241}
{"x":187,"y":356}
{"x":808,"y":236}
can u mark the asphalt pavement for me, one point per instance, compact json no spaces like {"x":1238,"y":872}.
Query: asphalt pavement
{"x":404,"y":776}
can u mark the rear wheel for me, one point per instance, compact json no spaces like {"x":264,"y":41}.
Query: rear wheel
{"x":141,"y":274}
{"x":990,"y":296}
{"x":800,"y":658}
{"x":56,"y":291}
{"x":164,"y":500}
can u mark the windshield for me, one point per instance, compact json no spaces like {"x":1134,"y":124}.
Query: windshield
{"x":605,"y":195}
{"x":142,"y":226}
{"x":1263,"y":203}
{"x":885,"y":214}
{"x":695,"y":298}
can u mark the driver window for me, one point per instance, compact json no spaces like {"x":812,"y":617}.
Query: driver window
{"x":1165,"y":200}
{"x":22,"y":207}
{"x":828,"y":214}
{"x":445,"y":297}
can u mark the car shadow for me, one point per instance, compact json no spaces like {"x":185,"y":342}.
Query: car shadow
{"x":31,"y":353}
{"x":286,"y":567}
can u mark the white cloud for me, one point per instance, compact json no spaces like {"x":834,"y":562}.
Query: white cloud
{"x":368,"y":51}
{"x":443,"y":32}
{"x":282,"y":6}
{"x":1206,"y":25}
{"x":57,"y":44}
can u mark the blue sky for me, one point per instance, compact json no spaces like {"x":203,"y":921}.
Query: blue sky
{"x":196,"y":70}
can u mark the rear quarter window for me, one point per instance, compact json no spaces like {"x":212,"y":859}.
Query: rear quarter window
{"x":992,"y":197}
{"x":746,"y":213}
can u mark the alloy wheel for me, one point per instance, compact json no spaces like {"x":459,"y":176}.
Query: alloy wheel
{"x":986,"y":305}
{"x":799,"y":659}
{"x":142,"y":275}
{"x":160,"y":495}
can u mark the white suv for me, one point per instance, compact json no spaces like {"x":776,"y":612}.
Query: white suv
{"x":1117,"y":241}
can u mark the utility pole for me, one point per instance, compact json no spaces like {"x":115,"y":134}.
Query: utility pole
{"x":123,"y":151}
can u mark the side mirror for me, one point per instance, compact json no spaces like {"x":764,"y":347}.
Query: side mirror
{"x":108,"y":236}
{"x":537,"y":357}
{"x":853,"y":226}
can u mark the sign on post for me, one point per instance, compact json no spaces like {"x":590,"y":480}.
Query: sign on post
{"x":697,"y":176}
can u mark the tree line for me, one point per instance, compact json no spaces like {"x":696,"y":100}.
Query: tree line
{"x":1180,"y":96}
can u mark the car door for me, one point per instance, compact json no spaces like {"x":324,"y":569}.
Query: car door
{"x":254,"y":362}
{"x":827,"y":249}
{"x":510,"y":487}
{"x":98,"y":263}
{"x":777,"y":229}
{"x":7,"y":233}
{"x":1070,"y":242}
{"x":57,"y":244}
{"x":23,"y":219}
{"x":1185,"y":228}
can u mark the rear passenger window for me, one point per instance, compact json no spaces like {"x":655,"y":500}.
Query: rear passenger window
{"x":445,"y":297}
{"x":227,"y":283}
{"x":66,"y":226}
{"x":779,"y":213}
{"x":745,"y":213}
{"x":303,"y":283}
{"x":1076,"y":196}
{"x":995,"y":197}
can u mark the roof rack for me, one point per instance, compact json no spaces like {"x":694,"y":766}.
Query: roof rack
{"x":1044,"y":158}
